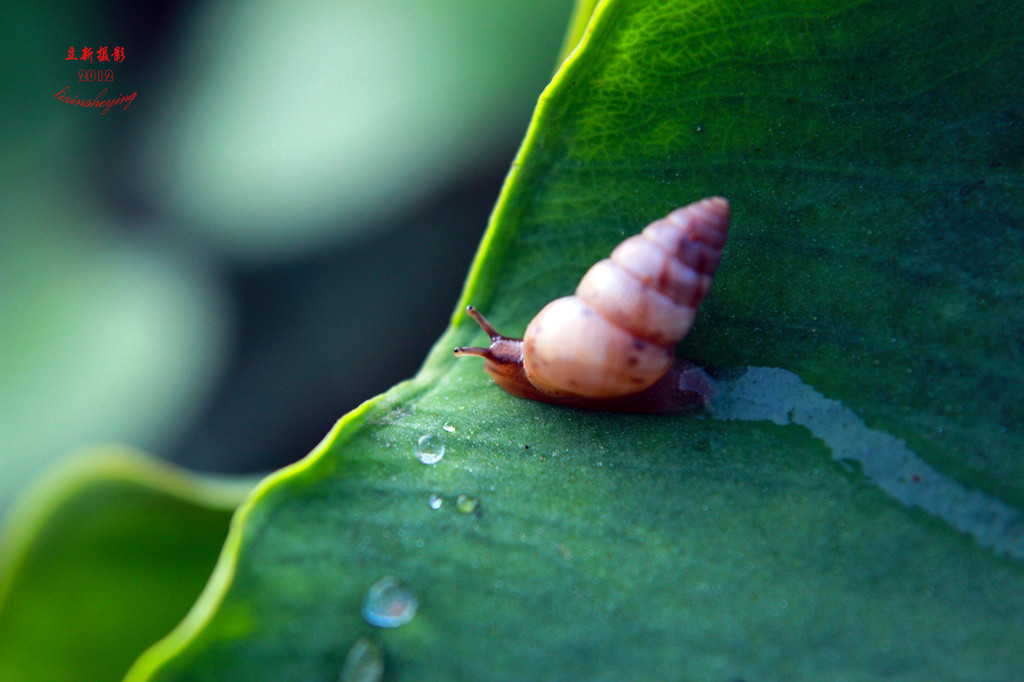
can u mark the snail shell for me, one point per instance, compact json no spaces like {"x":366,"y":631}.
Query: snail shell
{"x":611,"y":345}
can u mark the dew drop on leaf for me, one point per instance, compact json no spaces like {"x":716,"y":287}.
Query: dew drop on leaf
{"x":466,"y":504}
{"x":364,"y":662}
{"x":389,"y":603}
{"x":429,"y":449}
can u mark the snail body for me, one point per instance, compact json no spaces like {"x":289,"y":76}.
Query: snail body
{"x":610,"y":346}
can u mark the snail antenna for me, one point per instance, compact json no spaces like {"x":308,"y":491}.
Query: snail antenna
{"x":502,"y":349}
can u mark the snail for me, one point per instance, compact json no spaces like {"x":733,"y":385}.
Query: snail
{"x":611,"y":345}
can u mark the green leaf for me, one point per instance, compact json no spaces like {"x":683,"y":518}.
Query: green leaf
{"x":850,"y":507}
{"x":103,"y":558}
{"x":581,"y":14}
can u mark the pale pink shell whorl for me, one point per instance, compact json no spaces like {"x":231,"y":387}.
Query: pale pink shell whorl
{"x":617,"y":334}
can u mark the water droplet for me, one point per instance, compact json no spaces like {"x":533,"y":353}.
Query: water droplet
{"x":389,"y":603}
{"x":466,"y":504}
{"x":435,"y":501}
{"x":429,"y":450}
{"x":449,"y":428}
{"x":364,"y":662}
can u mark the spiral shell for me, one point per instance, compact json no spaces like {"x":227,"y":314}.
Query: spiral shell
{"x":617,"y":334}
{"x":610,"y":345}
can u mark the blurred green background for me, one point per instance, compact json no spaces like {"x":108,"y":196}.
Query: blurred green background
{"x":274,"y":230}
